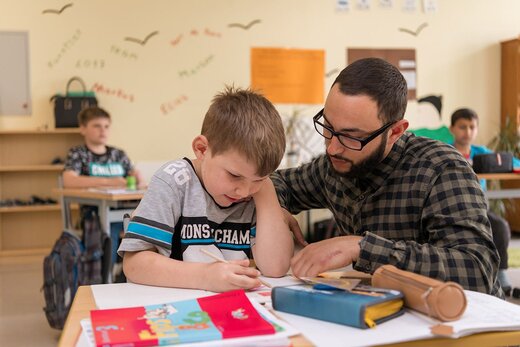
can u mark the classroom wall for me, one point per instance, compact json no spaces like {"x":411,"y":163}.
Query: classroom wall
{"x":158,"y":93}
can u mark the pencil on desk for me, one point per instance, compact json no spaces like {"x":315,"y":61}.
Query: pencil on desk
{"x":222,"y":260}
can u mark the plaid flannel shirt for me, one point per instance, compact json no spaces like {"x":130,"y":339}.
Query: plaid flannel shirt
{"x":421,"y":209}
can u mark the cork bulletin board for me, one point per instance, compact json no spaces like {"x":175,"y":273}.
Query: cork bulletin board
{"x":403,"y":59}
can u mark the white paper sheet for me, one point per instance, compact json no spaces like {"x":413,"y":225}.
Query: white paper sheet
{"x":86,"y":338}
{"x":405,"y":328}
{"x":284,"y":281}
{"x":411,"y":79}
{"x":115,"y":190}
{"x":129,"y":294}
{"x":486,"y":313}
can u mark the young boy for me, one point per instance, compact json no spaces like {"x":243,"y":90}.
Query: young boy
{"x":95,"y":164}
{"x":221,"y":202}
{"x":464,"y":128}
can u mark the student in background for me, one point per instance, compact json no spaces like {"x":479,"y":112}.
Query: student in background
{"x":464,"y":128}
{"x":222,"y":202}
{"x":391,"y":193}
{"x":95,"y":164}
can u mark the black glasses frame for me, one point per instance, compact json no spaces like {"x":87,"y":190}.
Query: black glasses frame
{"x":339,"y":135}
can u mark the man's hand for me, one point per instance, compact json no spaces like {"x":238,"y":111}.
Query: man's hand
{"x":236,"y":274}
{"x":326,"y":255}
{"x":294,"y":227}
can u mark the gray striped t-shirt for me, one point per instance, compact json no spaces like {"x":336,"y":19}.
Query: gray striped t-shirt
{"x":177,"y":217}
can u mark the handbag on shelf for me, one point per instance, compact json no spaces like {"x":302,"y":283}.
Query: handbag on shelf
{"x":67,"y":107}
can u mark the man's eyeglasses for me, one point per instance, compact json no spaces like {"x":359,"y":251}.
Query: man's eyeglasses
{"x":348,"y":141}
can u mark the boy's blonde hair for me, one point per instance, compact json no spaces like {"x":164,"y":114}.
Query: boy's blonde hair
{"x":245,"y":121}
{"x":90,"y":113}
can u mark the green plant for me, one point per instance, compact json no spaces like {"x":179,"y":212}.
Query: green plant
{"x":507,"y":140}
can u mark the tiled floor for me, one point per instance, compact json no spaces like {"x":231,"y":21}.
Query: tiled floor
{"x":22,"y":320}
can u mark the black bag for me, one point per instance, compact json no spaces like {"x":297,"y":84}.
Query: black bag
{"x":493,"y":162}
{"x":66,"y":108}
{"x":62,"y":274}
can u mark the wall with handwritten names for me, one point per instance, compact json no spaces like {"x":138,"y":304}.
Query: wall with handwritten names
{"x":155,"y":65}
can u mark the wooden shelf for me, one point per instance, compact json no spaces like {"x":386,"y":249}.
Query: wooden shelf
{"x":35,"y":208}
{"x":31,"y":168}
{"x":25,"y":171}
{"x":30,"y":208}
{"x":40,"y":132}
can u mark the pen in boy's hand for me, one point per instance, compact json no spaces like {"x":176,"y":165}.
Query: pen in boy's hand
{"x":222,"y":260}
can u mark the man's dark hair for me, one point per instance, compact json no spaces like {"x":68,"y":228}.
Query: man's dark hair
{"x":379,"y":80}
{"x":463,"y":113}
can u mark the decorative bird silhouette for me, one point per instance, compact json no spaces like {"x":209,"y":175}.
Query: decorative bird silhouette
{"x":142,"y":42}
{"x":58,"y":12}
{"x":245,"y":27}
{"x":416,"y":32}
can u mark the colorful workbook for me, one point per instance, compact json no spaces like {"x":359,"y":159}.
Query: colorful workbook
{"x":215,"y":317}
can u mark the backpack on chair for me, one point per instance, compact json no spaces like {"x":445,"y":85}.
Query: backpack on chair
{"x":62,"y":274}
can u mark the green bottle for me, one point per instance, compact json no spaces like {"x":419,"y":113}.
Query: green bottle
{"x":131,"y":183}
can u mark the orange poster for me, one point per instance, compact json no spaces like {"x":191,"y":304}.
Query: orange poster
{"x":290,"y":76}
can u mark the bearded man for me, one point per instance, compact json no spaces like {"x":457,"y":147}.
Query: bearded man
{"x":397,"y":199}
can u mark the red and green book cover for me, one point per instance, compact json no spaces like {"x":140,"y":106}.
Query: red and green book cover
{"x":215,"y":317}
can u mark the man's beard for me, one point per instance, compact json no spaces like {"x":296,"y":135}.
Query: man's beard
{"x":364,"y":167}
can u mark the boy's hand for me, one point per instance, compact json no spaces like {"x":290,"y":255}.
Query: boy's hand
{"x":236,"y":274}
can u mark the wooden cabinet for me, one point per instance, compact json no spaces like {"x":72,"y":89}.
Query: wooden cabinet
{"x":510,"y":108}
{"x":510,"y":82}
{"x":26,"y":171}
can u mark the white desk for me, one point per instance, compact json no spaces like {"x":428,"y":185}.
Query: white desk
{"x":109,"y":203}
{"x":105,"y":200}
